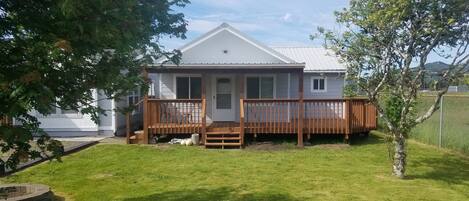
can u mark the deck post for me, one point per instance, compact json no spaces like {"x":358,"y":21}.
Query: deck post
{"x":348,"y":121}
{"x":127,"y":127}
{"x":300,"y":109}
{"x":145,"y":110}
{"x":241,"y":107}
{"x":204,"y":108}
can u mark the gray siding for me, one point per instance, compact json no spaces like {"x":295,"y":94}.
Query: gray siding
{"x":282,"y":85}
{"x":335,"y":86}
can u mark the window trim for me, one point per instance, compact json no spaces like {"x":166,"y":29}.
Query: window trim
{"x":318,"y":78}
{"x":175,"y":76}
{"x":259,"y":76}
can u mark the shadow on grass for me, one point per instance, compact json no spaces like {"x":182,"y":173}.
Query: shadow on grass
{"x":58,"y":198}
{"x":224,"y":193}
{"x":355,"y":140}
{"x":323,"y":139}
{"x":447,"y":168}
{"x":367,"y":140}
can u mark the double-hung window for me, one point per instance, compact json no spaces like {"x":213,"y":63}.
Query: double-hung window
{"x":188,"y":87}
{"x":318,"y":84}
{"x":259,"y":87}
{"x":133,"y":97}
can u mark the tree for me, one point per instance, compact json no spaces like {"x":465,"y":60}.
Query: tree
{"x":55,"y":52}
{"x":466,"y":79}
{"x":382,"y":39}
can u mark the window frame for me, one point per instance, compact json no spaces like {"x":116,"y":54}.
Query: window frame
{"x":188,"y":76}
{"x":135,"y":94}
{"x":318,"y":78}
{"x":274,"y":93}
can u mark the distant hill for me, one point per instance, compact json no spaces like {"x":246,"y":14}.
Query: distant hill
{"x":437,"y":67}
{"x":434,"y":72}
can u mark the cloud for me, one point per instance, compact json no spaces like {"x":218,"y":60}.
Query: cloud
{"x":287,"y":17}
{"x":271,"y":22}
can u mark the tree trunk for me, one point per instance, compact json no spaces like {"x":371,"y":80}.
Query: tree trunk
{"x":399,"y":163}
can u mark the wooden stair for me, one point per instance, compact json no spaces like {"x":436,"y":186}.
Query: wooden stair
{"x":223,"y":137}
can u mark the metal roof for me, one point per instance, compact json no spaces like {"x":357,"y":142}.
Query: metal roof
{"x":317,"y":59}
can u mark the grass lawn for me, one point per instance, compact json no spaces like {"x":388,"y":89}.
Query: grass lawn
{"x":455,"y":133}
{"x":320,"y":172}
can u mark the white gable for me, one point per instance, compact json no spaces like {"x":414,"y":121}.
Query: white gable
{"x":226,"y":45}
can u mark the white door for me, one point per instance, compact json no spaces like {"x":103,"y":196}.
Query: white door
{"x":223,"y":98}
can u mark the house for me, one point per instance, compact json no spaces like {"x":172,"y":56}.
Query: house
{"x":229,"y":85}
{"x":72,"y":123}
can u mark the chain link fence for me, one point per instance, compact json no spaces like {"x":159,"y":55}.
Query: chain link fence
{"x":449,"y":126}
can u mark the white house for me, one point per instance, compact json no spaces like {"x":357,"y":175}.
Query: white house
{"x":221,"y":67}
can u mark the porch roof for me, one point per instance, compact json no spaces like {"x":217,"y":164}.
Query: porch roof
{"x":226,"y":68}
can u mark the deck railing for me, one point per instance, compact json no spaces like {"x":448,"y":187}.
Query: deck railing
{"x":271,"y":115}
{"x":263,"y":116}
{"x":319,"y":116}
{"x":324,"y":116}
{"x":175,"y":116}
{"x":363,"y":116}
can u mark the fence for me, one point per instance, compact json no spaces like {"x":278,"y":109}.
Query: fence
{"x":449,"y":126}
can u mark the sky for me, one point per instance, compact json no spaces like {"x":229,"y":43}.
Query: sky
{"x":272,"y":22}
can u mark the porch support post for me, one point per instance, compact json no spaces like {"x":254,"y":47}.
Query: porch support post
{"x":145,"y":110}
{"x":127,"y":127}
{"x":348,"y":113}
{"x":204,"y":109}
{"x":241,"y":107}
{"x":300,"y":109}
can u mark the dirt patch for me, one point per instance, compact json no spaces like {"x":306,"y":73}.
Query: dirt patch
{"x":270,"y":146}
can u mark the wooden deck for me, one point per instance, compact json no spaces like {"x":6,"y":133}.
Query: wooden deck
{"x":294,"y":116}
{"x":277,"y":116}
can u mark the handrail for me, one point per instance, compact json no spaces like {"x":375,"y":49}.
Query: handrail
{"x":272,"y":100}
{"x":139,"y":102}
{"x":175,"y":100}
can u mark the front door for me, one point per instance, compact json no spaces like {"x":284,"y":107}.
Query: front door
{"x":223,"y":98}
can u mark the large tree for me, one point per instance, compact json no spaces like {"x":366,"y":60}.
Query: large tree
{"x":380,"y":42}
{"x":53,"y":53}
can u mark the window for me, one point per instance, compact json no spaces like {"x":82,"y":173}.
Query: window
{"x":61,"y":113}
{"x":318,"y":84}
{"x":260,"y":87}
{"x":133,"y":97}
{"x":188,"y":87}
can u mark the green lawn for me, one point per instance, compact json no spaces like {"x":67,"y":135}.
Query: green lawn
{"x":455,"y":133}
{"x":321,"y":172}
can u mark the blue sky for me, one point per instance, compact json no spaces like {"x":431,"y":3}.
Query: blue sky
{"x":273,"y":22}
